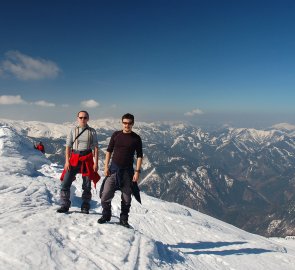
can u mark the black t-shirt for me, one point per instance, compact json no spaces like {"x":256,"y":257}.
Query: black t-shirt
{"x":124,"y":145}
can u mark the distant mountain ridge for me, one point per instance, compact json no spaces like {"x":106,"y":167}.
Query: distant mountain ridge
{"x":240,"y":175}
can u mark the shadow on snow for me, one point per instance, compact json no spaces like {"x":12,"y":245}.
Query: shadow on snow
{"x":203,"y":248}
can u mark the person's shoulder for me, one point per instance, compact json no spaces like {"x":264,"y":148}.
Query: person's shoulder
{"x":91,"y":129}
{"x":72,"y":130}
{"x":135,"y":134}
{"x":117,"y":132}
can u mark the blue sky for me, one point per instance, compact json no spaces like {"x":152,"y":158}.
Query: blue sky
{"x":198,"y":61}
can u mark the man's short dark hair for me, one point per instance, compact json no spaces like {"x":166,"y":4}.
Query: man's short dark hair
{"x":83,"y":112}
{"x":128,"y":116}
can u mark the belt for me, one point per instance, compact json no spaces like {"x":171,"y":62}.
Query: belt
{"x":82,"y":153}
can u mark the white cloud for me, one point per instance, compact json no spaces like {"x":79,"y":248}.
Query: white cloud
{"x":9,"y":100}
{"x":65,"y":105}
{"x":91,"y":103}
{"x":44,"y":103}
{"x":114,"y":106}
{"x":25,"y":67}
{"x":15,"y":100}
{"x":194,"y":112}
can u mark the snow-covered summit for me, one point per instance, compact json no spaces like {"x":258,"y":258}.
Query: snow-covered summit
{"x":254,"y":135}
{"x":17,"y":154}
{"x":284,"y":126}
{"x":38,"y":129}
{"x":164,"y":235}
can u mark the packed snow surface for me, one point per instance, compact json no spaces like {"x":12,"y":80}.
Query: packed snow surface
{"x":163,"y":235}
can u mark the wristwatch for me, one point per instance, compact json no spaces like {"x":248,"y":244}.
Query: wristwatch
{"x":138,"y":171}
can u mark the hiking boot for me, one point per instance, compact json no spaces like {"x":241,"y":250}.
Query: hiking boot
{"x":103,"y":219}
{"x":62,"y":209}
{"x":124,"y":223}
{"x":85,"y":208}
{"x":84,"y":211}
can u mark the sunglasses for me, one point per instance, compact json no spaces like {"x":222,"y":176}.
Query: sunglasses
{"x":127,"y":123}
{"x":81,"y":117}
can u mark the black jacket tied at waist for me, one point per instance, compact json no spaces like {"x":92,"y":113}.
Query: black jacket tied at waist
{"x":114,"y":168}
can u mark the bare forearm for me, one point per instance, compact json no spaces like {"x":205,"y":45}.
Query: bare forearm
{"x":107,"y":160}
{"x":137,"y":169}
{"x":106,"y":164}
{"x":68,"y":153}
{"x":138,"y":164}
{"x":96,"y":155}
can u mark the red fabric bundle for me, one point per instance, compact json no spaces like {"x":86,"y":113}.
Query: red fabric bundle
{"x":86,"y":167}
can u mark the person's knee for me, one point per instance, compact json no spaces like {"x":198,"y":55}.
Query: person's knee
{"x":126,"y":199}
{"x":106,"y":199}
{"x":67,"y":181}
{"x":65,"y":187}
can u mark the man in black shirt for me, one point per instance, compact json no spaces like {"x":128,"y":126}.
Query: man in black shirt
{"x":120,"y":173}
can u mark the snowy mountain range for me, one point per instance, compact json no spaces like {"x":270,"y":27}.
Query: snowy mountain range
{"x":243,"y":176}
{"x":164,"y":235}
